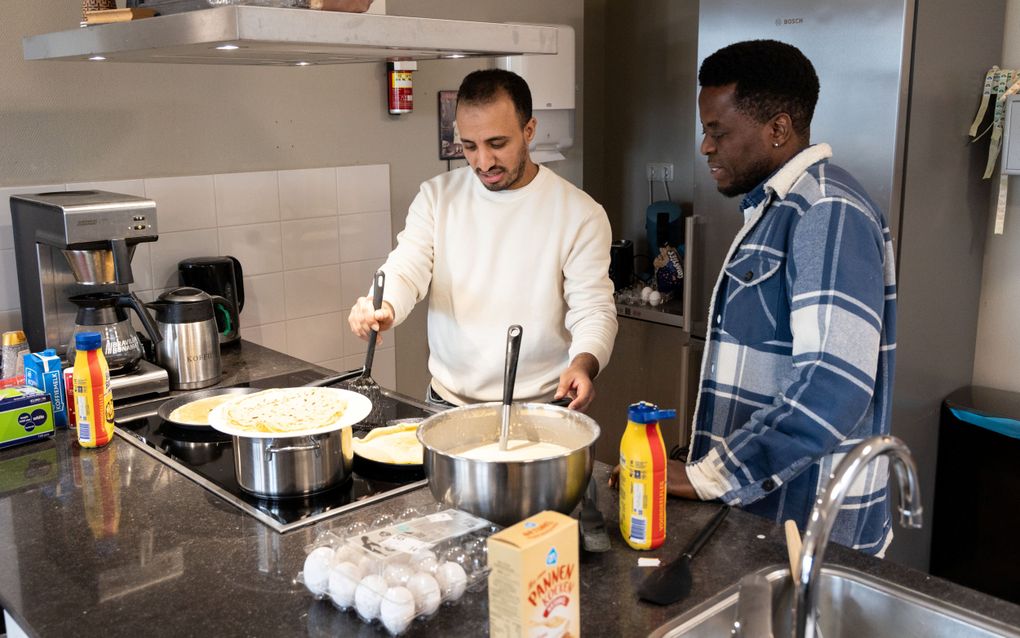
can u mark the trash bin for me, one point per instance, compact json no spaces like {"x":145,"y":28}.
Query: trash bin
{"x":975,"y":539}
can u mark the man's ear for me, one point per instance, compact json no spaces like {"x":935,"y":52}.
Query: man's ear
{"x":529,"y":130}
{"x":781,"y":129}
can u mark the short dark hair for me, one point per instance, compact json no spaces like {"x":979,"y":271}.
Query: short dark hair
{"x":486,"y":86}
{"x":771,"y":77}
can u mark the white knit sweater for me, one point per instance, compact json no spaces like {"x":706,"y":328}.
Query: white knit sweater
{"x":537,"y":256}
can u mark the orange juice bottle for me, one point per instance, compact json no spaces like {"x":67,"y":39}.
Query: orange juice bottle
{"x":93,"y":400}
{"x":643,"y":477}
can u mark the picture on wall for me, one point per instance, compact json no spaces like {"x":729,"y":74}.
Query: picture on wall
{"x":450,"y":147}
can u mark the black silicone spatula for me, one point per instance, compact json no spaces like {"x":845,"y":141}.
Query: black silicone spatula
{"x":672,"y":582}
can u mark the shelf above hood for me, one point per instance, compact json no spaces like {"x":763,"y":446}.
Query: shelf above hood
{"x":287,"y":37}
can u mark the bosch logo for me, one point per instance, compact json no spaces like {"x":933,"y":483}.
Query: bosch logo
{"x":787,"y":21}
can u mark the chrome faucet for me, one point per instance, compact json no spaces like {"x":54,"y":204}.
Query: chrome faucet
{"x":823,"y":516}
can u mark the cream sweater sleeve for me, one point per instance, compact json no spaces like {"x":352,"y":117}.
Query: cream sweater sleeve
{"x":588,"y":291}
{"x":409,"y":266}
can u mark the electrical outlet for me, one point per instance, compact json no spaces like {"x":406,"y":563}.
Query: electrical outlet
{"x":659,"y":172}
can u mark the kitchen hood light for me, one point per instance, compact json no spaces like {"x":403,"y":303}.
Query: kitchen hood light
{"x":227,"y":47}
{"x":97,"y":58}
{"x":453,"y":56}
{"x":303,"y":63}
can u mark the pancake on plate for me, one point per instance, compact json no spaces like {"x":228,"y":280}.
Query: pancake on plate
{"x":286,"y":410}
{"x":395,"y":444}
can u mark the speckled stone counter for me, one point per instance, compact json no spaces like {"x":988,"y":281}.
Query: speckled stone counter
{"x":112,"y":542}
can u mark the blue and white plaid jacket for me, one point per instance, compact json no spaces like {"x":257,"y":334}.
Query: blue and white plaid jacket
{"x":798,"y":366}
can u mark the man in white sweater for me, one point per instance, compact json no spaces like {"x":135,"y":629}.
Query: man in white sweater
{"x":502,"y":241}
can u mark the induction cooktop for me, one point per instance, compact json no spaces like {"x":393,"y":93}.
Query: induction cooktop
{"x":206,"y":457}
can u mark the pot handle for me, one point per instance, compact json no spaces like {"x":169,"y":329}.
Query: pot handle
{"x":312,"y":444}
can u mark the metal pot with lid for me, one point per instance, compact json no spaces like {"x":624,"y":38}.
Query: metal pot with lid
{"x":190,"y":349}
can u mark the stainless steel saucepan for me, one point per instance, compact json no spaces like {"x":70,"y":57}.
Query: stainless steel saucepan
{"x":506,"y":492}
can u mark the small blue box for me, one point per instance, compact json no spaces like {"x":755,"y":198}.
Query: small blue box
{"x":43,"y":371}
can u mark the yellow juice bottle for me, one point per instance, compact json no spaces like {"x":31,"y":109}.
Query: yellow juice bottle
{"x":643,"y":477}
{"x":93,"y":400}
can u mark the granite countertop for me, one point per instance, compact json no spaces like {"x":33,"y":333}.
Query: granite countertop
{"x":112,"y":542}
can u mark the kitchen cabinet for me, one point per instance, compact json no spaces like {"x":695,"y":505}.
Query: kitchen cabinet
{"x":651,"y":362}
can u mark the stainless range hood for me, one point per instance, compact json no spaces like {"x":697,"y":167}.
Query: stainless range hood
{"x":287,"y":37}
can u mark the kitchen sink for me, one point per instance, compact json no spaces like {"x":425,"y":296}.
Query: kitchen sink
{"x":851,"y":603}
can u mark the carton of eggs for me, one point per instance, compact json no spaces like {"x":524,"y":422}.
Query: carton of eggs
{"x":395,"y":588}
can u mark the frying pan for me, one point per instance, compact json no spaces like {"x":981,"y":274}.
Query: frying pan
{"x":389,"y":472}
{"x":171,"y":405}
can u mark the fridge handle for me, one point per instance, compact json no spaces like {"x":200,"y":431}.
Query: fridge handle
{"x":688,"y":295}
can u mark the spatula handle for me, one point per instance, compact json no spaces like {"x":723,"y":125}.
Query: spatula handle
{"x":378,"y":285}
{"x":793,"y":546}
{"x":707,"y":532}
{"x":513,"y":351}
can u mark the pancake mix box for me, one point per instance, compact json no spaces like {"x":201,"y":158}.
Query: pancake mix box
{"x":534,"y":584}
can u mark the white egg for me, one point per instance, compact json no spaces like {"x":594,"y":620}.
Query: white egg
{"x":452,"y":580}
{"x":646,"y":292}
{"x":397,"y":609}
{"x":343,"y":581}
{"x":368,"y":596}
{"x":398,"y":573}
{"x":369,"y":565}
{"x":655,"y":298}
{"x":426,"y":593}
{"x":316,"y":570}
{"x":424,"y":560}
{"x":346,"y":554}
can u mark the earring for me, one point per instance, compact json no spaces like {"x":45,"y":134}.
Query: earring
{"x":775,"y":144}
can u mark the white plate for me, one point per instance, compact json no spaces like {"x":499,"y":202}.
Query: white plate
{"x":358,"y":407}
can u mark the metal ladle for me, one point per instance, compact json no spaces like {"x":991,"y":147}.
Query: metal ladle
{"x":513,"y":351}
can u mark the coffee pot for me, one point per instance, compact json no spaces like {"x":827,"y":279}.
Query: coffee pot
{"x":106,"y":313}
{"x":190,"y":349}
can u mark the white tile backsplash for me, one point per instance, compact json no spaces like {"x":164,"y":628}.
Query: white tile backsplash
{"x":364,"y":189}
{"x":263,"y":300}
{"x":183,"y":203}
{"x":257,"y":246}
{"x":356,"y":280}
{"x":308,"y":193}
{"x":270,"y":335}
{"x":134,"y":187}
{"x":312,"y":291}
{"x":247,"y":198}
{"x":310,"y":242}
{"x":315,"y":338}
{"x":170,"y":248}
{"x":364,"y":236}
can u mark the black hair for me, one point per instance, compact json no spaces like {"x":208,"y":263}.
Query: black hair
{"x":485,"y":87}
{"x":771,"y":77}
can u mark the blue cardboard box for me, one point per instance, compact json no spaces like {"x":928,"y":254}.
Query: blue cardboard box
{"x":43,"y":371}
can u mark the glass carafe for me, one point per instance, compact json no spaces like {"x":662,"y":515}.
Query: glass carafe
{"x":106,"y":313}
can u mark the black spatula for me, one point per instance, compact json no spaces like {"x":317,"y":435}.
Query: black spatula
{"x":672,"y":582}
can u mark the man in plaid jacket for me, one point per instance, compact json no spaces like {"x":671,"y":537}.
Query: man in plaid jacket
{"x":798,"y":365}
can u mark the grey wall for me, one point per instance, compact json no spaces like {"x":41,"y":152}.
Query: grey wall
{"x":79,"y":121}
{"x":942,"y":233}
{"x":997,"y":358}
{"x":643,"y":104}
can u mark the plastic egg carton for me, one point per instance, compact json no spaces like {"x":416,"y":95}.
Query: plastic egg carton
{"x":397,"y":570}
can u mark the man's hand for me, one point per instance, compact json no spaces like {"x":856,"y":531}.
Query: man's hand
{"x":677,"y":483}
{"x":364,"y":318}
{"x":576,"y":381}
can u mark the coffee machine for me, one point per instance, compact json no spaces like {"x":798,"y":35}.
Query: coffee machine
{"x":68,"y":243}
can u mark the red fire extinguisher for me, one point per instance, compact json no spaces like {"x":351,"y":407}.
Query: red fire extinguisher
{"x":400,"y":91}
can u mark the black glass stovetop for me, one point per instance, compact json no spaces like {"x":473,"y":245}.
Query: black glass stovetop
{"x":207,"y":457}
